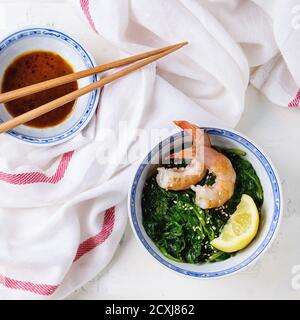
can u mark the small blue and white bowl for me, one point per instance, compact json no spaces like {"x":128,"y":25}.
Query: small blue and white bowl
{"x":270,"y":215}
{"x":77,"y":56}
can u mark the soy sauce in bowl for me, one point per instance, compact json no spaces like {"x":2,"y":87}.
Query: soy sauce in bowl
{"x":34,"y":67}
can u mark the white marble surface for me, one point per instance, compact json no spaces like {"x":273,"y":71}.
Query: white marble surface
{"x":134,"y":274}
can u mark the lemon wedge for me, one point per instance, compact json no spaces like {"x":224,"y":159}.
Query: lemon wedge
{"x":240,"y":229}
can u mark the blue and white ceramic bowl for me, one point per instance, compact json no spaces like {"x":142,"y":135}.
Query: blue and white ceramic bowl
{"x":78,"y":57}
{"x":270,"y":215}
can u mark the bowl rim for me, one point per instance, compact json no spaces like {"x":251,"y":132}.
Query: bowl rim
{"x":273,"y":176}
{"x":94,"y":96}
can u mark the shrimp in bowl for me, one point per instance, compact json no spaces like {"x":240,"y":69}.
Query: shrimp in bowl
{"x":192,"y":234}
{"x":187,"y":207}
{"x":183,"y":178}
{"x":203,"y":159}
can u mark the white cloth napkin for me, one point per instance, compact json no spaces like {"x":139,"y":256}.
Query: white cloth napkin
{"x":63,"y":209}
{"x":268,"y":31}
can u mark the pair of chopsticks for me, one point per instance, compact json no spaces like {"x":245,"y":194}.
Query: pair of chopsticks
{"x":147,"y":58}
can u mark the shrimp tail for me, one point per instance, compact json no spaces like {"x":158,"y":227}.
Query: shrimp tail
{"x":201,"y":139}
{"x":193,"y":130}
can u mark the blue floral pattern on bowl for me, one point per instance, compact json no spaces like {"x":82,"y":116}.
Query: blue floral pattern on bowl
{"x":276,"y":198}
{"x":89,"y":63}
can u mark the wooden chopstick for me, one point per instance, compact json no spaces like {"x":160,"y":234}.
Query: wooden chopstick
{"x":30,"y":115}
{"x":25,"y":91}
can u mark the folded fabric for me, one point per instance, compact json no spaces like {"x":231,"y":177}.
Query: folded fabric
{"x":268,"y":33}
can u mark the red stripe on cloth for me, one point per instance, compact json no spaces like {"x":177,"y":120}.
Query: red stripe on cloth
{"x":39,"y":177}
{"x":296,"y":101}
{"x":84,"y":247}
{"x":93,"y":242}
{"x":85,"y":5}
{"x":41,"y":289}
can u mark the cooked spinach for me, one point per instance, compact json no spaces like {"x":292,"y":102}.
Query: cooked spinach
{"x":182,"y":230}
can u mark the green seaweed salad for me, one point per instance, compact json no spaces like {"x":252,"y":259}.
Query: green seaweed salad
{"x":182,"y":230}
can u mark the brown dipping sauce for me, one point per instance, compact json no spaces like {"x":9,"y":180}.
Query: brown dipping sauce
{"x":31,"y":68}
